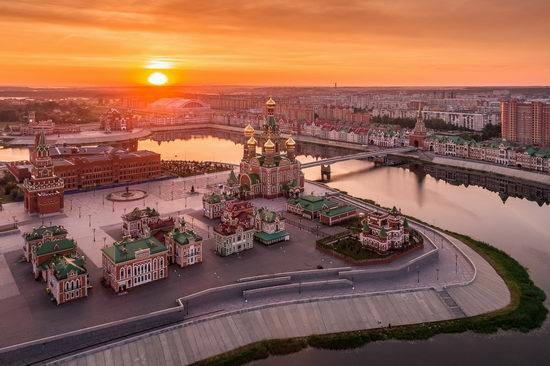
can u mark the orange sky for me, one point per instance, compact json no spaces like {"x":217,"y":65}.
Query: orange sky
{"x":285,"y":42}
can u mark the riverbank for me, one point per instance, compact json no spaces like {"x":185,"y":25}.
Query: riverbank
{"x":477,"y":166}
{"x":525,"y":312}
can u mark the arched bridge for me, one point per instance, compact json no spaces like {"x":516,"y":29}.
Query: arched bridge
{"x":361,"y":155}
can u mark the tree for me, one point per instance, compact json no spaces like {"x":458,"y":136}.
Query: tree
{"x":491,"y":131}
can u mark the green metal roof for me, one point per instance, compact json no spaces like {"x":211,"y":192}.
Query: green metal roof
{"x":313,"y":203}
{"x":337,"y":211}
{"x":38,"y":233}
{"x":263,"y":236}
{"x":52,"y":246}
{"x":124,"y":251}
{"x":63,"y":265}
{"x":184,"y":237}
{"x":267,"y":215}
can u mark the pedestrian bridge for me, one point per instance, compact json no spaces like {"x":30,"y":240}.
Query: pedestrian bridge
{"x":361,"y":155}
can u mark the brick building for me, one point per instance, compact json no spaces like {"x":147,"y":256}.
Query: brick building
{"x":39,"y":235}
{"x":43,"y":252}
{"x":236,"y":231}
{"x":43,"y":191}
{"x":270,"y":227}
{"x":86,"y":171}
{"x":67,"y":278}
{"x":385,"y":231}
{"x":130,"y":263}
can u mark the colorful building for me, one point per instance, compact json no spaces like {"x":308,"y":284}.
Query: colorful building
{"x":142,"y":223}
{"x":43,"y":252}
{"x":385,"y":231}
{"x":236,"y":231}
{"x":41,"y":234}
{"x":270,"y":227}
{"x":525,"y":123}
{"x":270,"y":173}
{"x":309,"y":206}
{"x":67,"y":278}
{"x":213,"y":204}
{"x":43,"y":191}
{"x":184,"y":246}
{"x":130,"y":263}
{"x":335,"y":215}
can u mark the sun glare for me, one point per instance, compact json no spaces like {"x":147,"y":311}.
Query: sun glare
{"x":157,"y":78}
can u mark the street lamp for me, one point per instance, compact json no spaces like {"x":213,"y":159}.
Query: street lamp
{"x":104,"y":238}
{"x":456,"y":263}
{"x":437,"y":270}
{"x":79,"y":213}
{"x":89,"y":220}
{"x":417,"y":276}
{"x":94,"y":233}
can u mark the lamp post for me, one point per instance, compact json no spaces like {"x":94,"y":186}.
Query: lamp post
{"x":417,"y":276}
{"x":94,"y":233}
{"x":104,"y":238}
{"x":113,"y":206}
{"x":71,"y":200}
{"x":456,"y":263}
{"x":437,"y":271}
{"x":79,"y":213}
{"x":89,"y":220}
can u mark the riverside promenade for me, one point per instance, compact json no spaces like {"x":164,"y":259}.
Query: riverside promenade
{"x":205,"y":336}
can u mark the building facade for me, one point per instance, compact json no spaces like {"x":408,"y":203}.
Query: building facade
{"x":270,"y":173}
{"x":142,"y":223}
{"x":419,"y":133}
{"x":67,"y":278}
{"x":525,"y":123}
{"x":39,"y":235}
{"x":235,"y":233}
{"x":385,"y":231}
{"x":131,"y":263}
{"x":43,"y":191}
{"x":184,"y":246}
{"x":43,"y":252}
{"x":270,"y":227}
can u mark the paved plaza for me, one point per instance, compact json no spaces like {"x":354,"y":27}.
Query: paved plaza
{"x":92,"y":220}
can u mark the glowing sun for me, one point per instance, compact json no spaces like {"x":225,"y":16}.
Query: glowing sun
{"x":157,"y":78}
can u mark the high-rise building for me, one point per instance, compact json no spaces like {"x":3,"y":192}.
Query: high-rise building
{"x":525,"y":123}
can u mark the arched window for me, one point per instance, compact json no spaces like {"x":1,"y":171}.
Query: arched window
{"x":122,"y":273}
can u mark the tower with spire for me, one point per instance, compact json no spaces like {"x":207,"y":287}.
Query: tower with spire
{"x":418,"y":135}
{"x":275,"y":171}
{"x":43,"y":191}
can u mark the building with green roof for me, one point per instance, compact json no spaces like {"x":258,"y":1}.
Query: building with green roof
{"x":270,"y":227}
{"x":44,"y":251}
{"x":184,"y":246}
{"x":67,"y":278}
{"x":309,"y":206}
{"x":129,"y":263}
{"x":41,"y":234}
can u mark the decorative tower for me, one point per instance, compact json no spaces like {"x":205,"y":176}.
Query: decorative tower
{"x":290,"y":149}
{"x":271,"y":130}
{"x":418,"y":135}
{"x":251,"y":146}
{"x":269,"y":153}
{"x":43,"y":191}
{"x":248,"y":133}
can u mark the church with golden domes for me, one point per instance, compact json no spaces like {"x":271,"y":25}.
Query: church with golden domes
{"x":274,"y":172}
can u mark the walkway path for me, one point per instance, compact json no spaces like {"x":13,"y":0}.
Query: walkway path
{"x":198,"y":339}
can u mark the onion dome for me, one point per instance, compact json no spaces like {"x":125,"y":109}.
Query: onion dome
{"x":249,"y":131}
{"x":269,"y":145}
{"x":251,"y":141}
{"x":290,"y":142}
{"x":270,"y":102}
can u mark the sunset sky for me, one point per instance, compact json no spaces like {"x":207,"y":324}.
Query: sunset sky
{"x":313,"y":42}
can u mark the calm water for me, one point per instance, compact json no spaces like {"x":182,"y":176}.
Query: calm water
{"x":520,"y":227}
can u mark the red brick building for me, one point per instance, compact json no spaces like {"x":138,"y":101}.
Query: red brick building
{"x":113,"y":166}
{"x":418,"y":135}
{"x":44,"y":189}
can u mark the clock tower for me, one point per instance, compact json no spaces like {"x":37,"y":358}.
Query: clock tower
{"x":43,"y":190}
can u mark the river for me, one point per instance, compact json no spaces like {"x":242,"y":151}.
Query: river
{"x":517,"y":225}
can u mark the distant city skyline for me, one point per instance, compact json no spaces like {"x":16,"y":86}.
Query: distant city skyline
{"x":313,"y":43}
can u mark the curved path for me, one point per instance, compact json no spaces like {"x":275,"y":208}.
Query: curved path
{"x":207,"y":336}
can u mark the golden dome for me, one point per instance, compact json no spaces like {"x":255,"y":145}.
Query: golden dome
{"x":249,"y":130}
{"x":270,"y":102}
{"x":269,"y":145}
{"x":290,"y":142}
{"x":252,"y":141}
